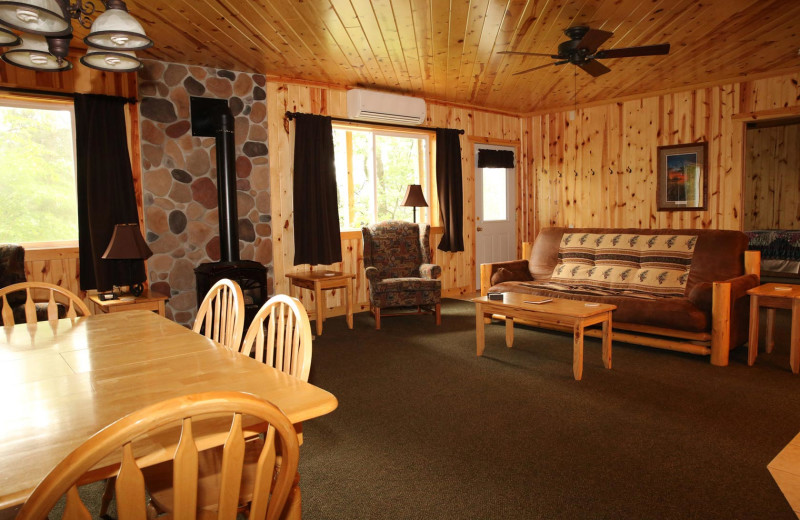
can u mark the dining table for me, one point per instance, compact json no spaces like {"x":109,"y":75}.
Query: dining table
{"x":61,"y":381}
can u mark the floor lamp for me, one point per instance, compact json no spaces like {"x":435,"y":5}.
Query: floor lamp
{"x":414,"y":198}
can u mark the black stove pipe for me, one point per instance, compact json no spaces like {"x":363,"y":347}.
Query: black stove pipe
{"x":226,"y":191}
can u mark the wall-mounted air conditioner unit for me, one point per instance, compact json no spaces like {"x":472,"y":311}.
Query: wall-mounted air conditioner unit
{"x":381,"y":107}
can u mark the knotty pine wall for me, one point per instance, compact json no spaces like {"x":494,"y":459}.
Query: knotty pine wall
{"x":458,"y":269}
{"x":772,"y":178}
{"x":599,"y":169}
{"x":59,"y":264}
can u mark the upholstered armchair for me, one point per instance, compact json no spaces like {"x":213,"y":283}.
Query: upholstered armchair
{"x":397,"y":261}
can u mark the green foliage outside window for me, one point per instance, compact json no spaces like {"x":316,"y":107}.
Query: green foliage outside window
{"x":37,"y":176}
{"x":382,"y":167}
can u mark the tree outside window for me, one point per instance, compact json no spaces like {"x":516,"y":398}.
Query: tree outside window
{"x":373,"y":170}
{"x":37,"y":172}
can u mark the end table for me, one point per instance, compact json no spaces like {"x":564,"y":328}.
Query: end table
{"x":319,"y":281}
{"x":775,"y":296}
{"x":148,"y":301}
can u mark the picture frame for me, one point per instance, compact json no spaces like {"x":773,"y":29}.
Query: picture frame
{"x":682,"y":183}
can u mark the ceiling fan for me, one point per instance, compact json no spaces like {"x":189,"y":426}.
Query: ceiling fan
{"x":582,"y":50}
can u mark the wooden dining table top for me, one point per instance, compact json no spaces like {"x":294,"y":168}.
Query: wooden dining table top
{"x":62,"y":381}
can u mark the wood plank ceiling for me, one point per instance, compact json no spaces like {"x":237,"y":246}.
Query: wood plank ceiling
{"x":448,"y":50}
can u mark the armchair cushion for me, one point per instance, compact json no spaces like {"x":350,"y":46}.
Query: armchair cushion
{"x":12,"y":270}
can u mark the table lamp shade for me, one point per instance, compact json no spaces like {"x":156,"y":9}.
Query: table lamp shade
{"x":127,"y":244}
{"x":414,"y":197}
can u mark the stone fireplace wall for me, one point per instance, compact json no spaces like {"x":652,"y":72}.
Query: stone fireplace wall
{"x":179,"y":176}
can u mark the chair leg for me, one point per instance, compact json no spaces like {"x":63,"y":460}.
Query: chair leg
{"x":293,"y":509}
{"x":108,"y":494}
{"x":438,"y":314}
{"x":377,"y":318}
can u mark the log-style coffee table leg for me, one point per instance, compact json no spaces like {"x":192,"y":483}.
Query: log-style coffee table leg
{"x":607,"y":341}
{"x":479,"y":338}
{"x":509,"y":332}
{"x":577,"y":350}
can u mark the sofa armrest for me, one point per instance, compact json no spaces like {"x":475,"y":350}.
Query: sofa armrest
{"x":702,"y":294}
{"x":518,"y":267}
{"x":724,"y":296}
{"x":372,"y":275}
{"x":430,"y":271}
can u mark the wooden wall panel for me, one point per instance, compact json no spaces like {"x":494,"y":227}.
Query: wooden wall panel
{"x":603,"y":173}
{"x":458,"y":269}
{"x":772,"y":180}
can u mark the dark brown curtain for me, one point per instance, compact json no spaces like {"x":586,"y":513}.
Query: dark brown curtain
{"x":448,"y":180}
{"x":495,"y":159}
{"x":105,"y":190}
{"x":316,"y":212}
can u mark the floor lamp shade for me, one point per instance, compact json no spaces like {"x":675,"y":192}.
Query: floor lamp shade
{"x":414,"y":198}
{"x":127,"y":244}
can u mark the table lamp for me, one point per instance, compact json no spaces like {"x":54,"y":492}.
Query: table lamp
{"x":127,"y":244}
{"x":414,"y":198}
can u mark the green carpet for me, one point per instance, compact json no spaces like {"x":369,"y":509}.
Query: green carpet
{"x":426,"y":429}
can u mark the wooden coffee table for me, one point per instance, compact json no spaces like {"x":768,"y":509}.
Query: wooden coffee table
{"x":555,"y":312}
{"x":775,"y":296}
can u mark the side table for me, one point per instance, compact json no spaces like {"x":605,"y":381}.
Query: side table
{"x":319,"y":281}
{"x":775,"y":296}
{"x":148,"y":301}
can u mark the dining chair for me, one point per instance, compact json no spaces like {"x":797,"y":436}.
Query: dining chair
{"x":37,"y":306}
{"x":285,"y":345}
{"x":221,"y":315}
{"x":272,"y":484}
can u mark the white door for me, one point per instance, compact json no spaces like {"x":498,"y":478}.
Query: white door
{"x":495,"y":217}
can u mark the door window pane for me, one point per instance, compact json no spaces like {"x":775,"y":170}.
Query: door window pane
{"x":494,"y":194}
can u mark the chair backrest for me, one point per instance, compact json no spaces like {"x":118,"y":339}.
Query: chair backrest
{"x":268,"y":500}
{"x":286,"y":345}
{"x":221,"y":315}
{"x":42,"y":292}
{"x":396,"y":248}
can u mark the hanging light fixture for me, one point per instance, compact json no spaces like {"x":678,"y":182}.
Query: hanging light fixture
{"x":8,"y":38}
{"x":112,"y":38}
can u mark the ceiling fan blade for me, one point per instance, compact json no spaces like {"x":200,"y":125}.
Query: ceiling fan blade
{"x":628,"y":52}
{"x":593,"y":39}
{"x":525,"y":53}
{"x":595,"y":68}
{"x":539,"y":67}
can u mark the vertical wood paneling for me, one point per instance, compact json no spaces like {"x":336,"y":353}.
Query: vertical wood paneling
{"x":458,"y":269}
{"x":772,"y":181}
{"x":620,"y":139}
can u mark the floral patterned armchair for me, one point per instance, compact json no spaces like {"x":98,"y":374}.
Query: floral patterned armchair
{"x":398,"y":268}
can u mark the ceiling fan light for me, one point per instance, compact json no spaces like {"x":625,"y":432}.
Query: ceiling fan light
{"x":32,"y":53}
{"x":114,"y":61}
{"x":8,"y":38}
{"x":44,"y":17}
{"x":116,"y":30}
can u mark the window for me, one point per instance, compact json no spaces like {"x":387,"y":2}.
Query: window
{"x":494,"y":194}
{"x":37,"y":172}
{"x":373,"y":170}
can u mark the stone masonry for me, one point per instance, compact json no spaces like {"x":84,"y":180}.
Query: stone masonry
{"x":179,"y":177}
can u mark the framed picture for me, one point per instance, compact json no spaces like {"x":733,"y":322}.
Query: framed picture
{"x":682,"y":177}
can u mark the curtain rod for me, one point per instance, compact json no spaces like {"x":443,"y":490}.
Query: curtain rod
{"x":290,"y":116}
{"x":131,"y":101}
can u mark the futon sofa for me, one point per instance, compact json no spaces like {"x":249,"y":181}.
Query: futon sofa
{"x":681,"y":290}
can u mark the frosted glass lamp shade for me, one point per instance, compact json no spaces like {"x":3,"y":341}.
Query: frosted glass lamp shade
{"x":45,"y":17}
{"x":33,"y":53}
{"x":116,"y":30}
{"x":115,"y":61}
{"x":8,"y":38}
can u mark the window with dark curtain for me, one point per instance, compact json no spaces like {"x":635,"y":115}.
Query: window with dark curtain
{"x":448,"y":180}
{"x":316,"y":215}
{"x":105,"y":190}
{"x":495,"y":159}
